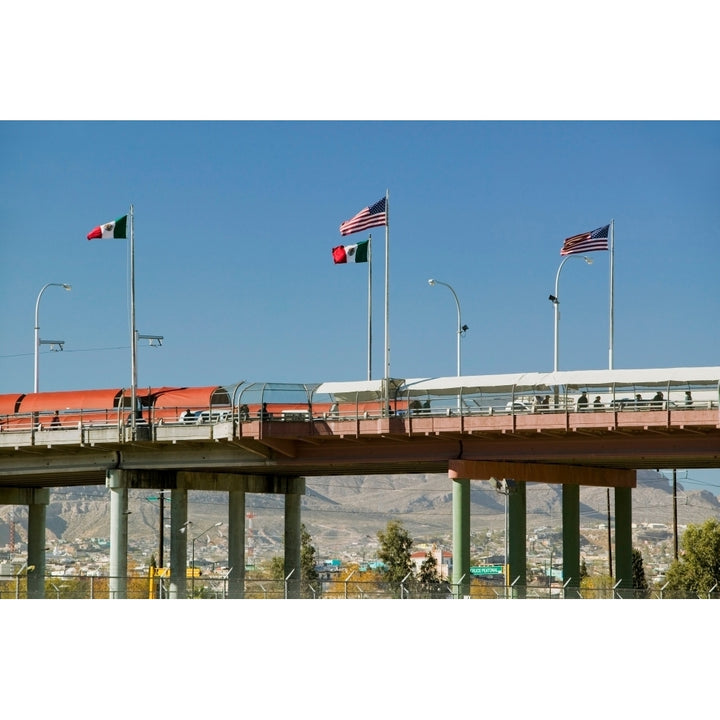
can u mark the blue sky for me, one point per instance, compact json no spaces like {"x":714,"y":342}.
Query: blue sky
{"x":234,"y":223}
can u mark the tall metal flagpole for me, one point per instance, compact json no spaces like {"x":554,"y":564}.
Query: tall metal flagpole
{"x":612,"y":290}
{"x":387,"y":301}
{"x":133,"y":333}
{"x":370,"y":307}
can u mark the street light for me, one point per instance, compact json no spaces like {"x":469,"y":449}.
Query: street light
{"x":38,"y":341}
{"x":192,"y":562}
{"x":461,"y":329}
{"x":554,"y":299}
{"x":505,"y":487}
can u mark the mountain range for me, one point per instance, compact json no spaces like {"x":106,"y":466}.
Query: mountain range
{"x":343,"y":514}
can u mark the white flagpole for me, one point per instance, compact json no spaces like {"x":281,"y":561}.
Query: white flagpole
{"x":133,"y":333}
{"x":612,"y":290}
{"x":387,"y":301}
{"x":370,"y":307}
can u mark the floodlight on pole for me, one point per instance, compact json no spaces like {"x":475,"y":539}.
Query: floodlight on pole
{"x":192,"y":561}
{"x":38,"y":341}
{"x":153,"y":340}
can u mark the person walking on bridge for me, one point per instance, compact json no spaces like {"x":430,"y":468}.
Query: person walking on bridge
{"x":582,"y":403}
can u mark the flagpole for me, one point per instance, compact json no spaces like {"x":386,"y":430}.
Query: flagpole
{"x":133,"y":333}
{"x":370,"y":307}
{"x":387,"y":301}
{"x":612,"y":290}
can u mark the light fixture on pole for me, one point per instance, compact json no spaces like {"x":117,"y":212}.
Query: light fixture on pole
{"x":38,"y":341}
{"x":461,"y":329}
{"x":554,"y":299}
{"x":192,"y":561}
{"x":505,"y":487}
{"x":153,"y":340}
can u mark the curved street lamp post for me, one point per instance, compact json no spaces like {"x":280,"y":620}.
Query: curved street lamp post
{"x":555,"y":300}
{"x":461,"y":329}
{"x":38,"y":341}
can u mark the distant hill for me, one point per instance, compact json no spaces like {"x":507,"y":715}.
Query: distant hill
{"x":343,"y":514}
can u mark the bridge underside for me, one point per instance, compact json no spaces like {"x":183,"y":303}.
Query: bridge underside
{"x":542,"y":473}
{"x":542,"y":456}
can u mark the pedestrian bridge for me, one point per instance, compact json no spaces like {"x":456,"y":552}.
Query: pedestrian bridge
{"x":532,"y":427}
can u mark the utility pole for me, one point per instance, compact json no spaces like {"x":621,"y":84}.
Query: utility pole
{"x":609,"y":535}
{"x":675,"y":522}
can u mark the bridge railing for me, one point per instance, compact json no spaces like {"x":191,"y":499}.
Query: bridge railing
{"x":50,"y":427}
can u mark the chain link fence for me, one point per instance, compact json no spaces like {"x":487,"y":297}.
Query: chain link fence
{"x":210,"y":588}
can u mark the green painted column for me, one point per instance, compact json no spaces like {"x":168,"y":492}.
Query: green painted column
{"x":292,"y":544}
{"x":571,"y":539}
{"x":236,"y":544}
{"x":178,"y":544}
{"x":517,"y":544}
{"x":37,"y":511}
{"x":623,"y":537}
{"x":461,"y":537}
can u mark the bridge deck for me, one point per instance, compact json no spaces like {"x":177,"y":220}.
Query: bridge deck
{"x":646,"y":438}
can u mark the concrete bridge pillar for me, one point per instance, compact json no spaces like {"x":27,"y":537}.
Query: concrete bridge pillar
{"x":178,"y":544}
{"x":461,"y":536}
{"x":37,"y":500}
{"x":571,"y":539}
{"x":516,"y":541}
{"x":236,"y":544}
{"x":37,"y":511}
{"x":623,"y":538}
{"x":292,"y":545}
{"x":117,"y":483}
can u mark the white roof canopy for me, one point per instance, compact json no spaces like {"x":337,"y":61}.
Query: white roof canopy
{"x":654,"y":377}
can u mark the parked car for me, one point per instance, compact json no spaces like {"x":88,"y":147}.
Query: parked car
{"x":517,"y":407}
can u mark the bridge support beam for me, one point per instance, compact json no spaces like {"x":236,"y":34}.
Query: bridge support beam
{"x":116,"y":482}
{"x":37,"y":511}
{"x":623,"y":538}
{"x":571,"y":477}
{"x":571,"y":539}
{"x":543,"y":473}
{"x":236,"y":544}
{"x":237,"y":486}
{"x":37,"y":500}
{"x":461,"y":536}
{"x":292,"y":565}
{"x":178,"y":544}
{"x":517,"y":547}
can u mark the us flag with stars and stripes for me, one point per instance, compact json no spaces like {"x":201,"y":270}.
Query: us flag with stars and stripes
{"x":587,"y":242}
{"x":369,"y":217}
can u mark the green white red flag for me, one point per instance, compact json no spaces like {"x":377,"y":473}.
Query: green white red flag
{"x":115,"y":229}
{"x":357,"y":253}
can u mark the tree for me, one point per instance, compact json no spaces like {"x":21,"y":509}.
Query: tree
{"x":597,"y":587}
{"x":697,"y":570}
{"x":429,"y":581}
{"x":309,"y":577}
{"x":277,"y":568}
{"x":640,"y":585}
{"x":394,"y":551}
{"x":583,"y":570}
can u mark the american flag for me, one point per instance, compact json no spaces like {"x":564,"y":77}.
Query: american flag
{"x":369,"y":217}
{"x":586,"y":242}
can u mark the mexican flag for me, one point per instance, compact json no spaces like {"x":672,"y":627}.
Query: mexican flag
{"x":351,"y":253}
{"x":115,"y":229}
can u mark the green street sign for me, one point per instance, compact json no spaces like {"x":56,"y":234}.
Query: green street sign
{"x":487,"y":569}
